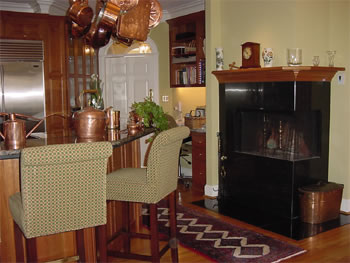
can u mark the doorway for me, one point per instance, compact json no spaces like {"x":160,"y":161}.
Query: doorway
{"x":129,"y":74}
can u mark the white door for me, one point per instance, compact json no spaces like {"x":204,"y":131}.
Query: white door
{"x":129,"y":79}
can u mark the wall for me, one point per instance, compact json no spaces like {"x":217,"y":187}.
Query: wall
{"x":190,"y":98}
{"x":160,"y":35}
{"x":313,"y":25}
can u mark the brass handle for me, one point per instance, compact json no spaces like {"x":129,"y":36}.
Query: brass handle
{"x":222,"y":171}
{"x":223,"y":158}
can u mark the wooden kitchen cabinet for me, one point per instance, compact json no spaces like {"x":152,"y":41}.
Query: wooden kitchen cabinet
{"x":51,"y":30}
{"x":187,"y":58}
{"x":198,"y":161}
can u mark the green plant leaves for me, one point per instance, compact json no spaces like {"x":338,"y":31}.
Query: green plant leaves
{"x":152,"y":114}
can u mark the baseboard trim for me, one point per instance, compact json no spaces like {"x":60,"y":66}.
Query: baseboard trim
{"x":345,"y":206}
{"x":211,"y":190}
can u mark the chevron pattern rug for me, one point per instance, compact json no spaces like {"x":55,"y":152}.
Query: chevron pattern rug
{"x":223,"y":242}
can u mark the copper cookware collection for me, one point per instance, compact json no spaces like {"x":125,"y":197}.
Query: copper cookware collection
{"x":125,"y":20}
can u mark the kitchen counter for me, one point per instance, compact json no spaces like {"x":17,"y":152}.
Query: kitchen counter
{"x":116,"y":137}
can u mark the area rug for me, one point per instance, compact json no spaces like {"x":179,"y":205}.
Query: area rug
{"x":223,"y":242}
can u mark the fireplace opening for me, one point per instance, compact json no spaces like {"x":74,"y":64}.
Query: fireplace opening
{"x":287,"y":136}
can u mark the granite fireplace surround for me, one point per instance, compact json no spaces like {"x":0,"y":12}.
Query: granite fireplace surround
{"x":274,"y":136}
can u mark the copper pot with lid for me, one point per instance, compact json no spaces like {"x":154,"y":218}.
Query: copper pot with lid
{"x":90,"y":123}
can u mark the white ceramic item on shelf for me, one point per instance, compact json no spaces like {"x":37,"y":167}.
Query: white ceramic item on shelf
{"x":219,"y":58}
{"x":267,"y":56}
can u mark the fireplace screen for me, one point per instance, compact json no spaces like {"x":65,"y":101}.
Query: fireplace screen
{"x":284,"y":135}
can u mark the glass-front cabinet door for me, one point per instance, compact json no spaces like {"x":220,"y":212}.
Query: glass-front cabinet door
{"x":82,"y":63}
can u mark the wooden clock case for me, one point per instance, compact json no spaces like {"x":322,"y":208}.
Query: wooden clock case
{"x":254,"y":60}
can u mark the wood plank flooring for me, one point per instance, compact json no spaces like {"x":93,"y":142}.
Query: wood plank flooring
{"x":329,"y":247}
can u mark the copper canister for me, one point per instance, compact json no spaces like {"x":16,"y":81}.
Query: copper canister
{"x":320,"y":202}
{"x":14,"y":134}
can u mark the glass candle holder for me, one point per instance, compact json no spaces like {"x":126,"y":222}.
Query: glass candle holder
{"x":316,"y":61}
{"x":294,"y":56}
{"x":331,"y":55}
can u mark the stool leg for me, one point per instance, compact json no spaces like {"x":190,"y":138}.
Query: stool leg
{"x":154,"y":233}
{"x":18,"y":243}
{"x":79,"y":234}
{"x":31,"y":250}
{"x":126,"y":226}
{"x":101,"y":240}
{"x":173,"y":239}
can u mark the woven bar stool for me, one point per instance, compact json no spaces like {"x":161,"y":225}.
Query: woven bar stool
{"x":149,"y":186}
{"x":63,"y":188}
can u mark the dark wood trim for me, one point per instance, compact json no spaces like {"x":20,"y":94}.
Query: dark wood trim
{"x":303,"y":73}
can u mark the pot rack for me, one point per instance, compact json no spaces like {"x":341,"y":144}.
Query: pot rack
{"x":122,"y":20}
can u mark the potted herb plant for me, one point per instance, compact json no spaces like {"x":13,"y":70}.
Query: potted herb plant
{"x":152,"y":114}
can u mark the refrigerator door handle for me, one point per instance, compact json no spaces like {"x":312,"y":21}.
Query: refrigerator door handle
{"x":2,"y":86}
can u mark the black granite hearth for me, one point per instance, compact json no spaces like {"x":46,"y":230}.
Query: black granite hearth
{"x":295,"y":229}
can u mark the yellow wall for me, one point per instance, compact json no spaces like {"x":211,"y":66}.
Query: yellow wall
{"x":313,"y":25}
{"x":160,"y":35}
{"x":190,"y":98}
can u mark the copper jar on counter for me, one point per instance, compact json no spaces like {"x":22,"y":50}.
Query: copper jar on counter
{"x":90,"y":123}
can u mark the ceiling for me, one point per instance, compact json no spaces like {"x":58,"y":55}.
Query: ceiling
{"x":171,"y":8}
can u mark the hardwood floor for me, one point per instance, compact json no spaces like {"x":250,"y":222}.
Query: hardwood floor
{"x":329,"y":247}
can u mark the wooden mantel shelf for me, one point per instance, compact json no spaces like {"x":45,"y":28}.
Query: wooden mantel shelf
{"x":301,"y":73}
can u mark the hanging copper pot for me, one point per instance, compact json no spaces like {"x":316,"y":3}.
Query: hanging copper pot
{"x":77,"y":31}
{"x":118,"y":39}
{"x":125,"y":5}
{"x":102,"y":26}
{"x":155,"y":14}
{"x":109,"y":15}
{"x":134,"y":24}
{"x":14,"y":130}
{"x":80,"y":13}
{"x":97,"y":36}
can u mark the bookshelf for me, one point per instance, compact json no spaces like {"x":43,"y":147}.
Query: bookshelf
{"x":187,"y":58}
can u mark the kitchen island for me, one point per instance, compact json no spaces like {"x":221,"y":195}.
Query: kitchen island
{"x":126,"y":153}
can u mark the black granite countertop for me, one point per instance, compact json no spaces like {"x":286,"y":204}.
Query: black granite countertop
{"x":116,"y":137}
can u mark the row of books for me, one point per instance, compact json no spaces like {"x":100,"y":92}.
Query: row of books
{"x":186,"y":75}
{"x":202,"y":71}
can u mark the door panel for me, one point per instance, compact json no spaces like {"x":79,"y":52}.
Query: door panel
{"x":129,"y":79}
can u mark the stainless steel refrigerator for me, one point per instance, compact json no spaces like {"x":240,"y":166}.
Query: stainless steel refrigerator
{"x":22,"y":80}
